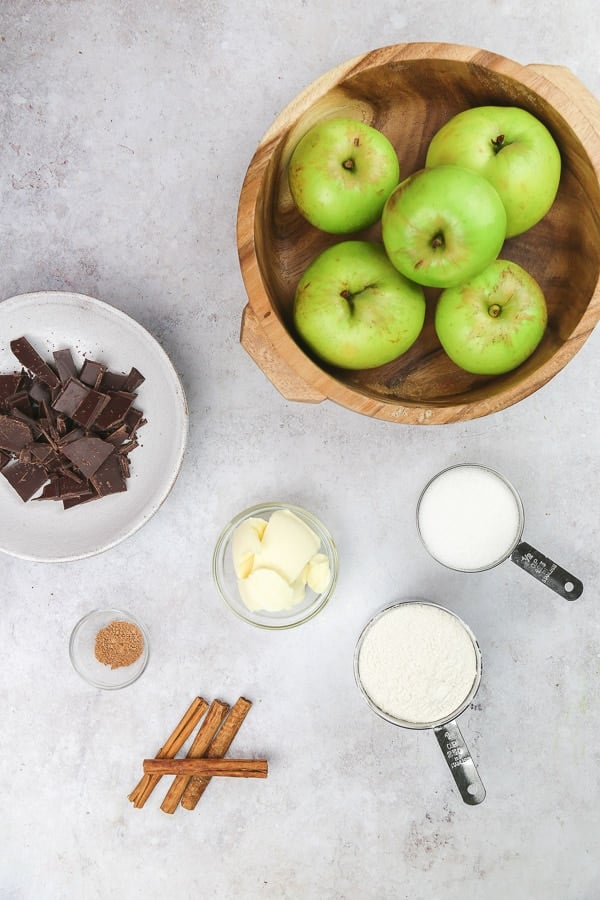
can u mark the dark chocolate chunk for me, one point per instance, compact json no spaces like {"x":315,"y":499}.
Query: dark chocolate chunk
{"x":63,"y":488}
{"x":134,"y":420}
{"x":25,"y":478}
{"x":125,"y":465}
{"x":112,"y":381}
{"x":21,"y":401}
{"x":133,"y":380}
{"x":33,"y":425}
{"x":90,"y":494}
{"x":87,"y":454}
{"x":14,"y":434}
{"x":31,"y":360}
{"x":40,"y":453}
{"x":72,"y":394}
{"x":91,"y":373}
{"x":90,"y":408}
{"x":4,"y":459}
{"x":39,"y":393}
{"x":119,"y":435}
{"x":115,"y":411}
{"x":9,"y":385}
{"x":109,"y":478}
{"x":65,"y":366}
{"x":73,"y":435}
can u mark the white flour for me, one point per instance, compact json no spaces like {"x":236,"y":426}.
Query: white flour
{"x":417,"y":663}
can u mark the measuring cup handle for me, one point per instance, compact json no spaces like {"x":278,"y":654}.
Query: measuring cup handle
{"x":460,"y":763}
{"x":549,"y":573}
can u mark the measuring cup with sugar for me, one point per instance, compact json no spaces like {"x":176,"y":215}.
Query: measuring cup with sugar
{"x":418,"y":666}
{"x":470,"y":518}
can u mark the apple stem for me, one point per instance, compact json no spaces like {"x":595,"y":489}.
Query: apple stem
{"x":349,"y":298}
{"x":494,"y":310}
{"x":498,"y":143}
{"x":437,"y":241}
{"x":348,"y":164}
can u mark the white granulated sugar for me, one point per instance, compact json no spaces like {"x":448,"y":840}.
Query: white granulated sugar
{"x":417,"y":663}
{"x":469,"y":518}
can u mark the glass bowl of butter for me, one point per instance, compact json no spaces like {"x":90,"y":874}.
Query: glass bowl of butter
{"x":275,"y":565}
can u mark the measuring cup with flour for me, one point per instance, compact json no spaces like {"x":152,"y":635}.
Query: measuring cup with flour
{"x":470,"y":518}
{"x":419,"y":666}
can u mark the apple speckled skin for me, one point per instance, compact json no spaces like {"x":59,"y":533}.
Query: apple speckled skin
{"x":441,"y":226}
{"x":341,"y":173}
{"x":354,"y":310}
{"x":494,"y":322}
{"x":513,"y":150}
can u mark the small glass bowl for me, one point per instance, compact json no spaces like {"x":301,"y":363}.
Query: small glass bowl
{"x":226,"y":579}
{"x":81,"y":651}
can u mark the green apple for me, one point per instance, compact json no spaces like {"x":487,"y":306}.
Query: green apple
{"x":494,"y":322}
{"x":509,"y":147}
{"x":441,"y":226}
{"x":341,"y":173}
{"x":354,"y":310}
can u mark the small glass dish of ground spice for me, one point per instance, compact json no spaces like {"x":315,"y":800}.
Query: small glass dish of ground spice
{"x":109,"y":648}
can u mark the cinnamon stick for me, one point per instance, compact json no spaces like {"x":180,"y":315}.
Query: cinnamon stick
{"x":200,"y":744}
{"x":232,"y":768}
{"x":218,"y":748}
{"x":171,"y":747}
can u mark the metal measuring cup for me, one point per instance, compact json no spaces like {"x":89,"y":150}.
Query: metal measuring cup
{"x":537,"y":564}
{"x":447,"y":732}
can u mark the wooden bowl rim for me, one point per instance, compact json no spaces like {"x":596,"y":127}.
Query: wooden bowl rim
{"x":270,"y":322}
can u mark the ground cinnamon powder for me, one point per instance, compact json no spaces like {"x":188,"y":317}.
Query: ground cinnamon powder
{"x":119,"y":644}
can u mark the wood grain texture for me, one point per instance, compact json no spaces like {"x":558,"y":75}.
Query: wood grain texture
{"x":408,"y":91}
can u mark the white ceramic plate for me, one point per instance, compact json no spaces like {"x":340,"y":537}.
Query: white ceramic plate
{"x":53,"y":320}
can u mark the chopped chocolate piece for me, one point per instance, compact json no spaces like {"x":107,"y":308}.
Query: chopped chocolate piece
{"x":109,"y":478}
{"x":48,"y":430}
{"x":133,"y":380}
{"x":117,"y":437}
{"x":33,"y":425}
{"x":91,"y":373}
{"x":21,"y":401}
{"x":40,"y":453}
{"x":64,"y":365}
{"x":90,"y":408}
{"x":72,"y":394}
{"x":71,"y":475}
{"x":9,"y":385}
{"x":39,"y":393}
{"x":25,"y":478}
{"x":4,"y":459}
{"x":14,"y":434}
{"x":129,"y":447}
{"x":83,"y":498}
{"x":87,"y":454}
{"x":31,"y":360}
{"x":115,"y":411}
{"x":112,"y":381}
{"x":125,"y":465}
{"x":68,"y":489}
{"x":73,"y":435}
{"x":61,"y":488}
{"x":134,"y":420}
{"x":62,"y":425}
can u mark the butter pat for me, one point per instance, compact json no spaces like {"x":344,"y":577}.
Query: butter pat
{"x":245,"y":543}
{"x":275,"y":560}
{"x":317,"y":573}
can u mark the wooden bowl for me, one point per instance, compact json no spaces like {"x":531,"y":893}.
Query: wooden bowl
{"x":408,"y":91}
